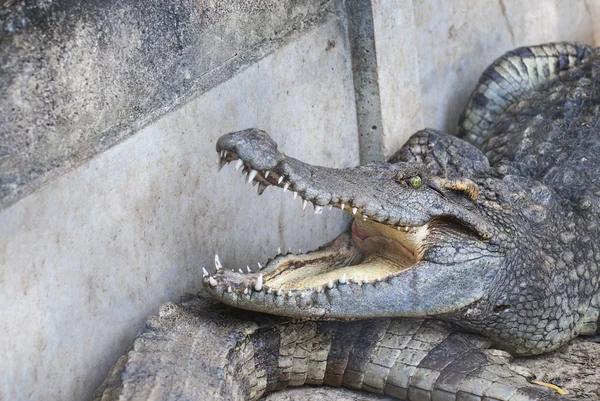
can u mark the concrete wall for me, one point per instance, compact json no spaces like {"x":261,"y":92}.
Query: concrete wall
{"x":110,"y":201}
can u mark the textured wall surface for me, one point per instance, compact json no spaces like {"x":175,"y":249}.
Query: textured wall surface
{"x":110,"y":201}
{"x":79,"y":76}
{"x":86,"y":259}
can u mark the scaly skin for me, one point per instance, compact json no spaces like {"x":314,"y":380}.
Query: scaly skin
{"x":498,"y":237}
{"x":501,"y":241}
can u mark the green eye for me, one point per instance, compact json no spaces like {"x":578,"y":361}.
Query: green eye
{"x":415,"y":181}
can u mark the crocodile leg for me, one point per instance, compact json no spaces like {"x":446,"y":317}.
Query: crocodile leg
{"x":200,"y":350}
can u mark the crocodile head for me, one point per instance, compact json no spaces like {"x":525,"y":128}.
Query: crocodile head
{"x":418,"y":244}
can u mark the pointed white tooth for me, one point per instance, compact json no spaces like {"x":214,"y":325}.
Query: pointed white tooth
{"x":204,"y":272}
{"x":229,"y":289}
{"x":259,"y":283}
{"x":222,"y":154}
{"x":267,"y":173}
{"x":279,"y":292}
{"x":218,"y":264}
{"x":378,"y":279}
{"x":240,"y":270}
{"x":279,"y":251}
{"x":233,"y":270}
{"x":318,"y":209}
{"x":366,"y":281}
{"x":364,"y":218}
{"x":299,"y":250}
{"x":212,"y":281}
{"x":302,"y":295}
{"x":304,"y":203}
{"x":251,"y":175}
{"x":270,"y":290}
{"x":398,"y":228}
{"x":238,"y":164}
{"x":259,"y":266}
{"x":319,"y":289}
{"x":290,"y":250}
{"x":290,"y":294}
{"x":295,"y":195}
{"x":330,"y":284}
{"x":280,"y":179}
{"x":225,"y":154}
{"x":342,"y":279}
{"x":286,"y":186}
{"x":355,"y":280}
{"x":248,"y":268}
{"x":330,"y":207}
{"x":342,"y":206}
{"x":406,"y":228}
{"x":354,"y":210}
{"x":246,"y":291}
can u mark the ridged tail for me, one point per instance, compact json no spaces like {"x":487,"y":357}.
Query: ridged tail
{"x":200,"y":350}
{"x":509,"y":77}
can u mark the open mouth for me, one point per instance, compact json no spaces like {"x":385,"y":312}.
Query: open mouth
{"x":370,"y":252}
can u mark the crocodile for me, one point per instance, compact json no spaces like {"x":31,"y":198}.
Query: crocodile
{"x":461,"y":250}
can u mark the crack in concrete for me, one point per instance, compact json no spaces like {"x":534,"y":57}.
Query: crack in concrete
{"x":508,"y":24}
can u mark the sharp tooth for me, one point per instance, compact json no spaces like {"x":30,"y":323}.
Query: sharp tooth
{"x":246,"y":291}
{"x":342,"y":206}
{"x":290,"y":250}
{"x":290,"y":294}
{"x":267,"y":173}
{"x":286,"y":186}
{"x":280,"y":179}
{"x":259,"y":266}
{"x":319,"y":289}
{"x":366,"y":281}
{"x":378,"y":279}
{"x":279,"y":292}
{"x":318,"y":209}
{"x":261,"y":188}
{"x":226,"y":154}
{"x":279,"y":251}
{"x":330,"y":207}
{"x":304,"y":203}
{"x":354,"y":210}
{"x":259,"y":283}
{"x":240,"y":270}
{"x":212,"y":281}
{"x":222,"y":163}
{"x":238,"y":164}
{"x":342,"y":279}
{"x":251,"y":175}
{"x":364,"y":218}
{"x":204,"y":272}
{"x":295,"y":195}
{"x":218,"y":264}
{"x":406,"y":228}
{"x":270,"y":291}
{"x":229,"y":289}
{"x":299,"y":250}
{"x":398,"y":228}
{"x":248,"y":268}
{"x":330,"y":284}
{"x":302,"y":295}
{"x":222,"y":154}
{"x":355,"y":280}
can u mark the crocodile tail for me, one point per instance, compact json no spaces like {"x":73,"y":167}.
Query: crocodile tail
{"x":198,"y":350}
{"x":509,"y":77}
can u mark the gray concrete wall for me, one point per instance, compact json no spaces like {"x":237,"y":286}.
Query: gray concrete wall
{"x":109,"y":197}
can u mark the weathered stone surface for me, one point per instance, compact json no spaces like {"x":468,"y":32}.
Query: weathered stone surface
{"x":77,"y":77}
{"x":85,"y":260}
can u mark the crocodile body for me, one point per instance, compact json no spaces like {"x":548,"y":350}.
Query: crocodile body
{"x":496,"y":234}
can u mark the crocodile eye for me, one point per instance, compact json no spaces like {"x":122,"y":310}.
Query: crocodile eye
{"x":415,"y":181}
